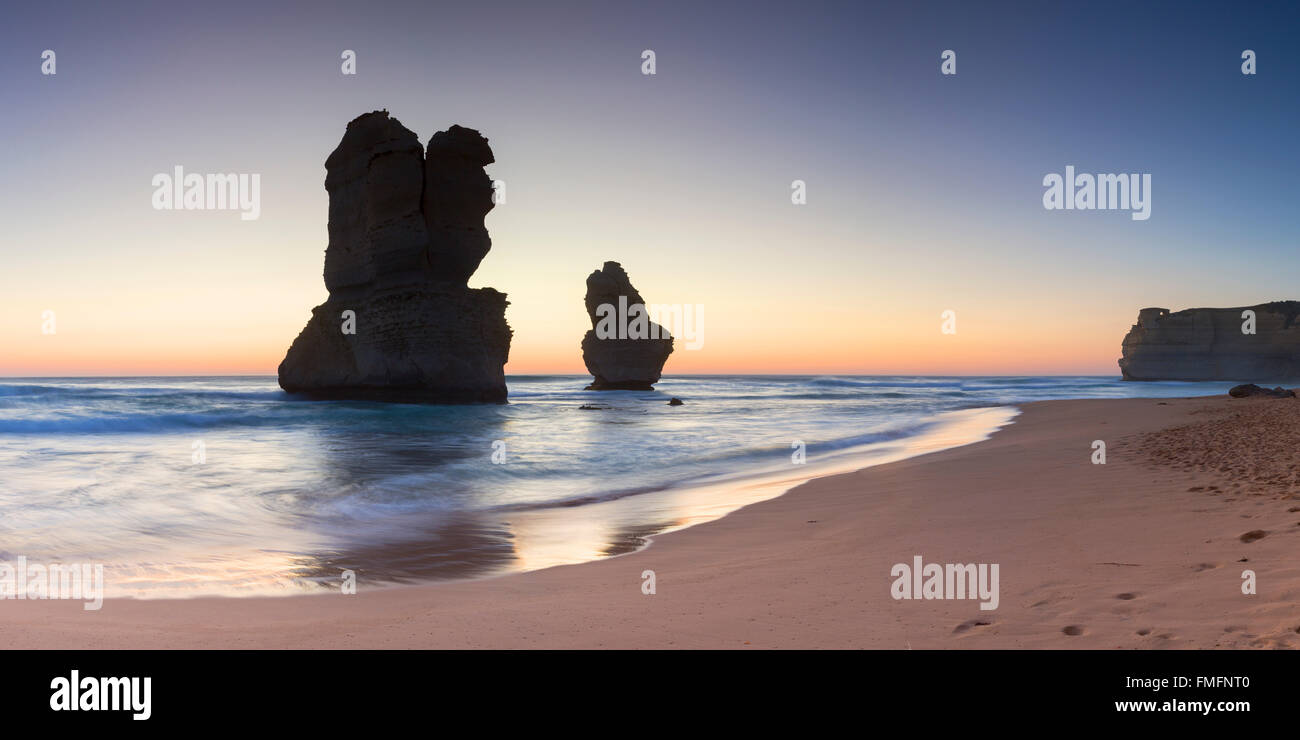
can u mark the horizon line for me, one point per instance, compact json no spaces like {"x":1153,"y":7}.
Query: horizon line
{"x":587,"y":375}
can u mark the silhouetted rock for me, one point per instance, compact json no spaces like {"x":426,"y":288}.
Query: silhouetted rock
{"x":405,"y":233}
{"x":1209,"y":344}
{"x":457,"y":196}
{"x":623,"y":350}
{"x":674,"y":402}
{"x":1250,"y":389}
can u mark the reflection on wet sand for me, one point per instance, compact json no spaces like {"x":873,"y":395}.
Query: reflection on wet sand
{"x":449,"y":546}
{"x":493,"y":543}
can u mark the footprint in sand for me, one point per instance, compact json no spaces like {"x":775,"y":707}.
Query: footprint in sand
{"x":967,"y":625}
{"x":1073,"y":630}
{"x":1205,"y":566}
{"x":1126,"y":596}
{"x":1254,"y":534}
{"x":1144,"y":632}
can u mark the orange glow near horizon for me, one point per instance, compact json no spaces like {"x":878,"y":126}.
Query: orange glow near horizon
{"x":914,"y":347}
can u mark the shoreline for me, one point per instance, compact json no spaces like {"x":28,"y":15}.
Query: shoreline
{"x":523,"y":537}
{"x":1090,"y":555}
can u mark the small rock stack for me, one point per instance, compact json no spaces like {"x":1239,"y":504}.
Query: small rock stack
{"x":623,"y":360}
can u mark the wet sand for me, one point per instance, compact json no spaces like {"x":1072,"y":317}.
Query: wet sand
{"x":1145,"y":551}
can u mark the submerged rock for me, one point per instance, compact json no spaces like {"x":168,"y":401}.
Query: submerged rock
{"x":623,"y":350}
{"x":1250,"y":389}
{"x":1210,"y":344}
{"x":674,"y":402}
{"x":405,"y":233}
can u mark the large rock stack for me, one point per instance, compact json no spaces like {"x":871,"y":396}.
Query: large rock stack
{"x":405,"y":233}
{"x":621,"y":352}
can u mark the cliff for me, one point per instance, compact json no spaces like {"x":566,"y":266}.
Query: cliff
{"x":1210,"y":344}
{"x":405,"y":233}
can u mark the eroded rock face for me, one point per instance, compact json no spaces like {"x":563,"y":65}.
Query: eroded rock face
{"x":405,"y":233}
{"x":617,"y":352}
{"x":1209,"y":344}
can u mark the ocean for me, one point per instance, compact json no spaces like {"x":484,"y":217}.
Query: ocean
{"x":186,"y":486}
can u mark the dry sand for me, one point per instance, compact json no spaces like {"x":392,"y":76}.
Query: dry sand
{"x":1146,"y":551}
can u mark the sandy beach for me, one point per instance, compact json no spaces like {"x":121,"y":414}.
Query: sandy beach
{"x":1146,"y":551}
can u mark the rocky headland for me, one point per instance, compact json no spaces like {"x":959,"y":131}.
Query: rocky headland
{"x":1214,"y":344}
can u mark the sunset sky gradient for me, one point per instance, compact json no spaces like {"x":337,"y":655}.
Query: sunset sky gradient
{"x":924,"y":190}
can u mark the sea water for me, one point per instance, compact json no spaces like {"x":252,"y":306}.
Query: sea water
{"x":186,"y":486}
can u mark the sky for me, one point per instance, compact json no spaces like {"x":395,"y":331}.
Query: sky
{"x":924,"y":190}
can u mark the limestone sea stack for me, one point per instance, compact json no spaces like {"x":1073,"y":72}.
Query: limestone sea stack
{"x":405,"y":234}
{"x":623,"y":350}
{"x":1214,"y":344}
